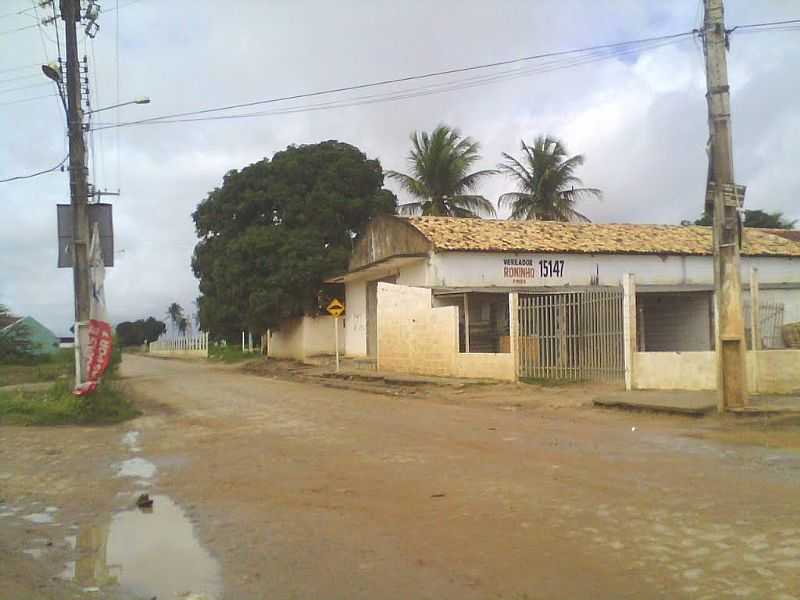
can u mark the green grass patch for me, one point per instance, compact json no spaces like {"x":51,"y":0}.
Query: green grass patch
{"x":40,"y":369}
{"x":59,"y":406}
{"x":230,"y":354}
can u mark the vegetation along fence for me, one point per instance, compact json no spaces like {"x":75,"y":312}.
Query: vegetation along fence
{"x":575,"y":335}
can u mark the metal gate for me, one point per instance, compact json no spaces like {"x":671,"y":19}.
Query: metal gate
{"x":574,"y":335}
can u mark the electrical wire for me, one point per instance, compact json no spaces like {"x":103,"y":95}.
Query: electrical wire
{"x":21,"y":100}
{"x":24,"y":87}
{"x":26,"y":27}
{"x":434,"y":88}
{"x":20,"y":68}
{"x":618,"y":46}
{"x":31,"y":175}
{"x":15,"y":13}
{"x":19,"y":78}
{"x":766,"y":24}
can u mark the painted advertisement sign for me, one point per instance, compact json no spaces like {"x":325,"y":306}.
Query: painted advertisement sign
{"x":522,"y":270}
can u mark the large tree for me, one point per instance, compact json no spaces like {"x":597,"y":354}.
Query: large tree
{"x":752,"y":218}
{"x":136,"y":333}
{"x":440,"y":179}
{"x":546,"y":180}
{"x":275,"y":229}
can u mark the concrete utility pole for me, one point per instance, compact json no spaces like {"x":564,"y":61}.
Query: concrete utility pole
{"x":79,"y":189}
{"x":724,"y":198}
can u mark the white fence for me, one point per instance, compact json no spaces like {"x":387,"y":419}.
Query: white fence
{"x":196,"y":345}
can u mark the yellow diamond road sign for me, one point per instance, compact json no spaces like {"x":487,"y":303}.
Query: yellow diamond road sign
{"x":335,"y":308}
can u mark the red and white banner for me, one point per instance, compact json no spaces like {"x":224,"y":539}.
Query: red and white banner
{"x":100,"y":343}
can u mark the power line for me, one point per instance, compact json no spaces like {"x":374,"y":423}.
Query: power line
{"x":15,"y":13}
{"x":433,"y":88}
{"x":24,"y":87}
{"x":384,"y":82}
{"x":50,"y":170}
{"x":19,"y":78}
{"x":766,"y":24}
{"x":26,"y":27}
{"x":20,"y":101}
{"x":20,"y":68}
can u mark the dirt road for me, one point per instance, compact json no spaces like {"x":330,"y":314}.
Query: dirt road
{"x":273,"y":489}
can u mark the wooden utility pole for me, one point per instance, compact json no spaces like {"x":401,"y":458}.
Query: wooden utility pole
{"x":79,"y":189}
{"x":724,"y":198}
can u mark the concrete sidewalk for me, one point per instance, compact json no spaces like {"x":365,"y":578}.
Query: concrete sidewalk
{"x":695,"y":404}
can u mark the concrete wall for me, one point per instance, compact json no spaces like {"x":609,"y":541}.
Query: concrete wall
{"x":769,"y":371}
{"x":674,"y":371}
{"x":302,"y":338}
{"x":355,"y":330}
{"x":414,"y":337}
{"x":287,"y":342}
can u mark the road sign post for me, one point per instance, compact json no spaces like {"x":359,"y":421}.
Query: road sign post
{"x":336,"y":309}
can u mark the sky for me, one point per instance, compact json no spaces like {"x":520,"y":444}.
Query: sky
{"x":639,"y":118}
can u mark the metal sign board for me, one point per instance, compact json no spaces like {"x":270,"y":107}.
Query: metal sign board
{"x":98,"y":213}
{"x":335,"y":308}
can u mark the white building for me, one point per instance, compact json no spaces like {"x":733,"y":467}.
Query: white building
{"x":448,"y":296}
{"x":477,"y":262}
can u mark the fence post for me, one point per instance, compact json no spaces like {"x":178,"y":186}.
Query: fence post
{"x":629,"y":327}
{"x":513,"y":331}
{"x":755,"y":326}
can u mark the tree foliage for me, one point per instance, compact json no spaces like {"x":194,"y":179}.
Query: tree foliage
{"x":136,"y":333}
{"x":15,"y":342}
{"x":175,"y":316}
{"x":440,"y":178}
{"x":546,"y":180}
{"x":275,"y":229}
{"x":752,"y":218}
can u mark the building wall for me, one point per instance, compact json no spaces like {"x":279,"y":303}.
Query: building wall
{"x":675,"y":322}
{"x":768,"y":371}
{"x":494,"y":269}
{"x":355,"y":317}
{"x":301,"y":338}
{"x":414,"y":337}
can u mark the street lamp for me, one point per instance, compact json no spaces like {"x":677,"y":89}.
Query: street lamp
{"x":141,"y":100}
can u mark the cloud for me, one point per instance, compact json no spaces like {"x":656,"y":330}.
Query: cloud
{"x":639,"y":119}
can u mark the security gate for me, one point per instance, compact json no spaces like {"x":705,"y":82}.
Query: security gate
{"x":574,"y":335}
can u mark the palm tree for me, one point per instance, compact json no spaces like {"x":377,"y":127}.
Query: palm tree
{"x":440,"y":179}
{"x":546,"y":181}
{"x":175,"y":314}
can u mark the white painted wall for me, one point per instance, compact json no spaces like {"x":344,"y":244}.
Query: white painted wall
{"x":487,"y":269}
{"x":305,"y":337}
{"x":414,"y":337}
{"x":355,"y":330}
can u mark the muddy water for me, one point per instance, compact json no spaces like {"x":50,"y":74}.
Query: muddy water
{"x":145,"y":555}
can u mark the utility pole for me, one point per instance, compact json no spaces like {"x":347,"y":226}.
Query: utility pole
{"x":79,"y":189}
{"x":724,"y":198}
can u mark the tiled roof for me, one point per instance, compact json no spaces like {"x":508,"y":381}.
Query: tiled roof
{"x":450,"y":233}
{"x":789,"y":234}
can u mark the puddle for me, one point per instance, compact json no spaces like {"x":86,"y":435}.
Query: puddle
{"x":136,"y":467}
{"x":34,"y":552}
{"x":131,"y":440}
{"x":146,"y":555}
{"x":39,"y":518}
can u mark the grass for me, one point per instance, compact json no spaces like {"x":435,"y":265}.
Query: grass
{"x":59,"y":406}
{"x":230,"y":354}
{"x":51,"y":368}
